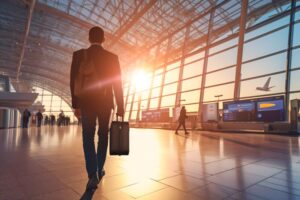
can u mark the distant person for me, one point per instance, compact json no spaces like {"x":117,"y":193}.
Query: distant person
{"x":46,"y":120}
{"x":52,"y":120}
{"x":181,"y":120}
{"x":61,"y":118}
{"x":39,"y":117}
{"x":26,"y":116}
{"x":95,"y":100}
{"x":68,"y":120}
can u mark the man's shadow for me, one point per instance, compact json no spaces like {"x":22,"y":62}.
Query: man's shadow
{"x":88,"y":195}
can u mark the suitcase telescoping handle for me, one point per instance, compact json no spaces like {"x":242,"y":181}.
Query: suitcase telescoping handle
{"x":120,"y":117}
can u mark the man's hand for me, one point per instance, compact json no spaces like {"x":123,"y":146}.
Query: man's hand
{"x":77,"y":113}
{"x":120,"y":112}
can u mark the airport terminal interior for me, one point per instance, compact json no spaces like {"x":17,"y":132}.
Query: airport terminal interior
{"x":232,"y":66}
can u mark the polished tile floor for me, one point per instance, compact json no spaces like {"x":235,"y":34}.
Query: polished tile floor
{"x":48,"y":163}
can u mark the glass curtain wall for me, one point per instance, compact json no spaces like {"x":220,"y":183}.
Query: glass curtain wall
{"x":265,"y":55}
{"x":52,"y":103}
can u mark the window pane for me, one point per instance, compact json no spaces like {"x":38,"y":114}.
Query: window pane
{"x":222,"y":60}
{"x":158,"y":71}
{"x":157,"y":80}
{"x":135,"y":106}
{"x":132,"y":89}
{"x":190,"y":84}
{"x":192,"y":108}
{"x":193,"y":69}
{"x":248,"y":88}
{"x":129,"y":99}
{"x":267,"y":28}
{"x":145,"y":94}
{"x":170,"y":89}
{"x":172,"y":76}
{"x":144,"y":104}
{"x":295,"y":58}
{"x":295,"y":81}
{"x":266,"y":45}
{"x":296,"y":38}
{"x":219,"y":77}
{"x":190,"y":97}
{"x":225,"y":90}
{"x":128,"y":107}
{"x":173,"y":66}
{"x":194,"y":57}
{"x":264,"y":66}
{"x":126,"y":116}
{"x":133,"y":115}
{"x":154,"y":103}
{"x":168,"y":101}
{"x":155,"y":92}
{"x":223,"y":46}
{"x":125,"y":91}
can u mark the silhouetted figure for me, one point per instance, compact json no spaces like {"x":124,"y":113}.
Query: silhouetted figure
{"x":46,"y":120}
{"x":26,"y":116}
{"x":94,"y":100}
{"x":181,"y":120}
{"x":39,"y":116}
{"x":52,"y":119}
{"x":68,"y":120}
{"x":61,"y":118}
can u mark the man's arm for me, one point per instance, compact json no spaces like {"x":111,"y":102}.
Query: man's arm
{"x":72,"y":80}
{"x":118,"y":89}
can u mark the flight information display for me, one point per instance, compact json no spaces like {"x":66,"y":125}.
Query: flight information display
{"x":160,"y":115}
{"x":239,"y":111}
{"x":268,"y":109}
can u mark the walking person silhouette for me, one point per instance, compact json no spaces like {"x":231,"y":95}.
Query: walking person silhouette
{"x":99,"y":74}
{"x":181,"y":120}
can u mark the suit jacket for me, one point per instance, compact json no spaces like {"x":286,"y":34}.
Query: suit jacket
{"x":108,"y":69}
{"x":182,"y":115}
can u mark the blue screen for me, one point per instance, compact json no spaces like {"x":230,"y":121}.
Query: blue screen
{"x":270,"y":105}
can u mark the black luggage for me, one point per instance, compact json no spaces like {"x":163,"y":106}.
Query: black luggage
{"x":119,"y":138}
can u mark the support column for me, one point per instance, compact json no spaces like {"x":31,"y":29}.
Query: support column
{"x":150,"y":90}
{"x":205,"y":62}
{"x":179,"y":85}
{"x":139,"y":106}
{"x":126,"y":99}
{"x":132,"y":102}
{"x":289,"y":58}
{"x":152,"y":78}
{"x":164,"y":72}
{"x":243,"y":20}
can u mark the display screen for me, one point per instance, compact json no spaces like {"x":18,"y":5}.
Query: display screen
{"x":239,"y":111}
{"x":268,"y":109}
{"x":161,"y":115}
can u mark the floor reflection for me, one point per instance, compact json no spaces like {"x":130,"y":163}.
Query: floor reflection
{"x":47,"y":163}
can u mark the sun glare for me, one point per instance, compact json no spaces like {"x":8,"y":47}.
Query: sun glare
{"x":141,"y":80}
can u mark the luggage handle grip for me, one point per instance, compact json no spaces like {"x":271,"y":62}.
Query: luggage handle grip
{"x":118,"y":118}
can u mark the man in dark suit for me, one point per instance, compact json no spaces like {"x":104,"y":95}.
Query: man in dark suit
{"x":97,"y":103}
{"x":181,"y":120}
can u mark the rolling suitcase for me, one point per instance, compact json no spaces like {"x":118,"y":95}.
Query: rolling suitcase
{"x":119,"y":138}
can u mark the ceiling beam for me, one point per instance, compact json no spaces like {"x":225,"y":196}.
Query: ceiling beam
{"x":217,"y":32}
{"x":85,"y":24}
{"x":27,"y":29}
{"x":131,"y":21}
{"x":189,"y":23}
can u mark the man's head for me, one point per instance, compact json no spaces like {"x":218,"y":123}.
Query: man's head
{"x":96,"y":35}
